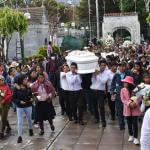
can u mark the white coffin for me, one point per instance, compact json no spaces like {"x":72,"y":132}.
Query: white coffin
{"x":87,"y":61}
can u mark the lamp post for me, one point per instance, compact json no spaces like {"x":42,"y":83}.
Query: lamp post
{"x":97,"y":18}
{"x":89,"y":6}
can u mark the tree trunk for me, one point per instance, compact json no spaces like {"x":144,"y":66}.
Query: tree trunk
{"x":22,"y":48}
{"x":7,"y":41}
{"x":3,"y":56}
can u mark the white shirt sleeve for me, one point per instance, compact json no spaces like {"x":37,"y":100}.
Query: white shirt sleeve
{"x":145,"y":132}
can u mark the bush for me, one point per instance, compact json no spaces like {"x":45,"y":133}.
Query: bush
{"x":56,"y":49}
{"x":43,"y":51}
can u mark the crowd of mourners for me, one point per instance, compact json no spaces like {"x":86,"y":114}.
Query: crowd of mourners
{"x":28,"y":88}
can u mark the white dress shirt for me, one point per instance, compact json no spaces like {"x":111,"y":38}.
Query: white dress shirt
{"x":99,"y":81}
{"x":110,"y":78}
{"x":145,"y":132}
{"x":63,"y":81}
{"x":74,"y":81}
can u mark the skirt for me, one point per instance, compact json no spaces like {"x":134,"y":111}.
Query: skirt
{"x":45,"y":111}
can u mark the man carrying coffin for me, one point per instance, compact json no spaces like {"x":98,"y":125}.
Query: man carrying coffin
{"x":98,"y":87}
{"x":75,"y":96}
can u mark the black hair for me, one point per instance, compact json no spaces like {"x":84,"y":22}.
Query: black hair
{"x":103,"y":61}
{"x":11,"y":70}
{"x":74,"y":64}
{"x":113,"y":63}
{"x":138,"y":63}
{"x":146,"y":75}
{"x":41,"y":74}
{"x":130,"y":88}
{"x":21,"y":78}
{"x":123,"y":64}
{"x":42,"y":68}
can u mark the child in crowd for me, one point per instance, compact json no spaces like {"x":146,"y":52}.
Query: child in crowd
{"x":131,"y":109}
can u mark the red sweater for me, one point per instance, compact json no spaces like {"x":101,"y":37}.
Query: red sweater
{"x":8,"y":93}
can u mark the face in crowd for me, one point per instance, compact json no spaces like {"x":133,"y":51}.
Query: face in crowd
{"x":73,"y":68}
{"x":41,"y":78}
{"x":122,"y":68}
{"x":66,"y":68}
{"x":2,"y":82}
{"x":2,"y":68}
{"x":102,"y":66}
{"x":33,"y":74}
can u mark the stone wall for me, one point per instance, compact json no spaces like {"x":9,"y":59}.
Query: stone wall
{"x":33,"y":39}
{"x":130,"y":22}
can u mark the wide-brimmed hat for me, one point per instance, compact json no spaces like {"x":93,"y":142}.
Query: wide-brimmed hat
{"x":128,"y":79}
{"x":14,"y":64}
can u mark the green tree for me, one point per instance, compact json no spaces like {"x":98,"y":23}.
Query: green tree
{"x":129,"y":6}
{"x":148,"y":19}
{"x":82,"y":10}
{"x":57,"y":12}
{"x":12,"y":21}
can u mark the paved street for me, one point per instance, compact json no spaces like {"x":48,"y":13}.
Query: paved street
{"x":69,"y":136}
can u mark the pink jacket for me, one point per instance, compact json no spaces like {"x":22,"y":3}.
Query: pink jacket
{"x":127,"y":111}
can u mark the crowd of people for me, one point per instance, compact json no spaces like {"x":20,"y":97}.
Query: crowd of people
{"x":30,"y":87}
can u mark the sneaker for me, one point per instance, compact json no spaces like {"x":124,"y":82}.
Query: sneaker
{"x":136,"y":141}
{"x":36,"y":125}
{"x":19,"y":139}
{"x":31,"y":132}
{"x":131,"y":139}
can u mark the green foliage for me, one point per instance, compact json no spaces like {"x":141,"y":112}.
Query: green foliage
{"x":58,"y":11}
{"x":42,"y":51}
{"x":148,"y":19}
{"x":55,"y":49}
{"x":11,"y":21}
{"x":129,"y":6}
{"x":82,"y":9}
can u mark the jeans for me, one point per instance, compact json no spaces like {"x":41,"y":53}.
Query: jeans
{"x":4,"y":109}
{"x":87,"y":96}
{"x":119,"y":111}
{"x":20,"y":116}
{"x":132,"y":122}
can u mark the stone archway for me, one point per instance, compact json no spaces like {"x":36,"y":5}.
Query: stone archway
{"x":127,"y":21}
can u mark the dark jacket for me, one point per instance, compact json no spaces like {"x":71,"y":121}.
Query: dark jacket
{"x":22,"y":95}
{"x":58,"y":86}
{"x":86,"y":81}
{"x":117,"y":84}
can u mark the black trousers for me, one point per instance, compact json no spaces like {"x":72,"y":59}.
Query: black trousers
{"x":76,"y":104}
{"x":99,"y":104}
{"x":62,"y":100}
{"x":111,"y":105}
{"x":132,"y":122}
{"x":66,"y":95}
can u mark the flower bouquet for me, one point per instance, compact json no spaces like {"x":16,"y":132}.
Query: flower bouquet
{"x":2,"y":94}
{"x":133,"y":103}
{"x":146,"y":98}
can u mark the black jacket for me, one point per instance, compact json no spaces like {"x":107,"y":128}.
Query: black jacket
{"x":22,"y":95}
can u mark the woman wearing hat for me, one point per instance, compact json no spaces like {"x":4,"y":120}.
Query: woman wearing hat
{"x":131,"y":109}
